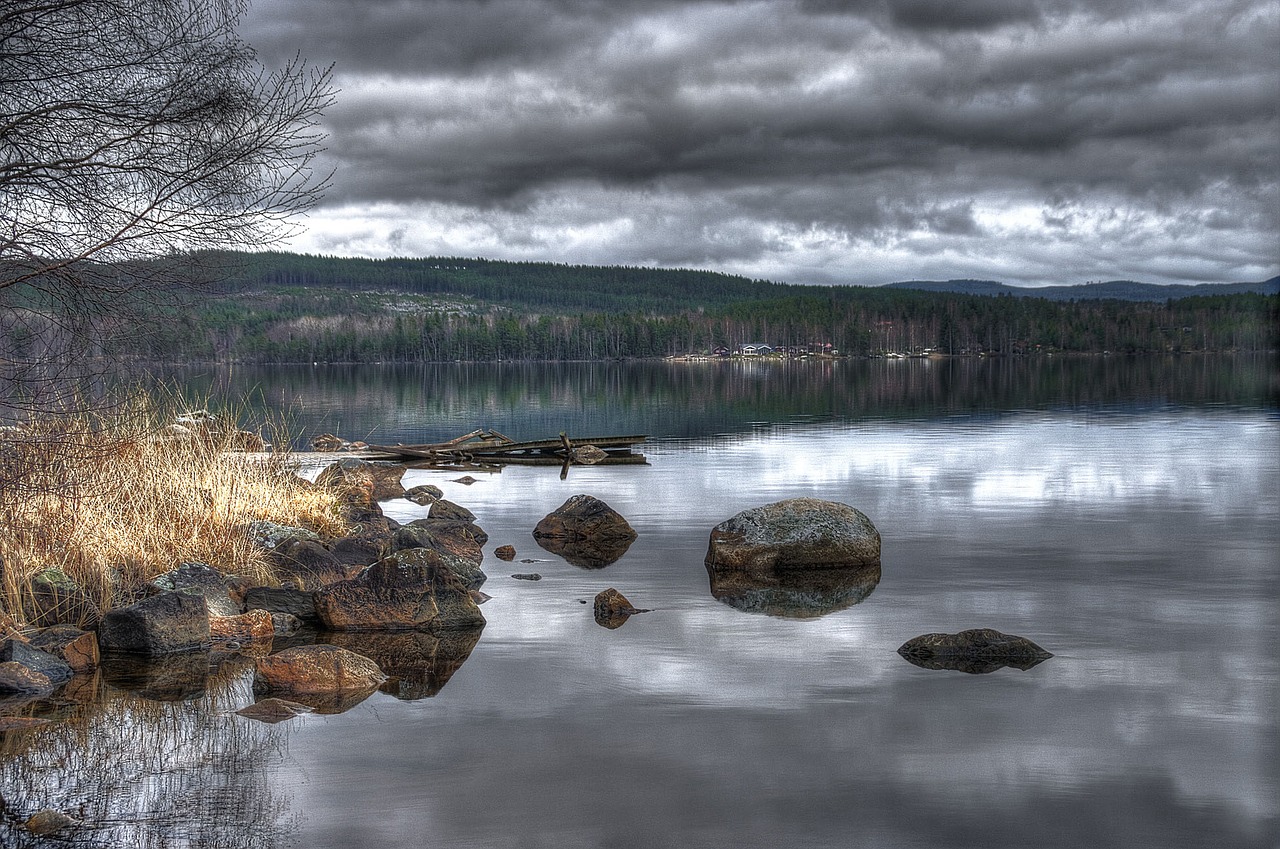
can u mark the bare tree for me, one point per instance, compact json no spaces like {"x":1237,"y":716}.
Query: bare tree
{"x":135,"y":135}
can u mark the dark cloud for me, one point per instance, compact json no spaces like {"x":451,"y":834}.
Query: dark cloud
{"x":750,"y":132}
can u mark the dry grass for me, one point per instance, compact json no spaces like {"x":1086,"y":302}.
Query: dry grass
{"x":117,"y":497}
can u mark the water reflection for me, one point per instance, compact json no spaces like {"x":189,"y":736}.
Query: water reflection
{"x":417,"y":664}
{"x":587,"y":553}
{"x":433,"y":402}
{"x":134,"y":771}
{"x":793,"y":593}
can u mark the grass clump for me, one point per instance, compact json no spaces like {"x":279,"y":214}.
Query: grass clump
{"x":106,"y":500}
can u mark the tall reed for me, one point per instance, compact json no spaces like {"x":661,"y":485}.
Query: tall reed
{"x":114,"y":497}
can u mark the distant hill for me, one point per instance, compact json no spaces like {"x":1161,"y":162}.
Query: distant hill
{"x":1121,"y":290}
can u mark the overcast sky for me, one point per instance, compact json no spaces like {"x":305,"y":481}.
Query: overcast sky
{"x":804,"y":141}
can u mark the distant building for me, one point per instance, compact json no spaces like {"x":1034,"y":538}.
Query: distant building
{"x":754,"y":349}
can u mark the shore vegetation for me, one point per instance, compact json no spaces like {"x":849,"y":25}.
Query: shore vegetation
{"x":108,"y":497}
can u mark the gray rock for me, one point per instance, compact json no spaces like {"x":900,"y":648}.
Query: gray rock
{"x":424,"y":494}
{"x":976,"y":651}
{"x":55,"y":598}
{"x":798,"y":533}
{"x":163,"y":624}
{"x":203,"y":580}
{"x":48,"y":665}
{"x":273,"y":535}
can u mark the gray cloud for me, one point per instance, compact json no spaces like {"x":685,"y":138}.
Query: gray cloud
{"x":1045,"y":141}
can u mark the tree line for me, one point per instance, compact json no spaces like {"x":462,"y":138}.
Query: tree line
{"x":303,"y":324}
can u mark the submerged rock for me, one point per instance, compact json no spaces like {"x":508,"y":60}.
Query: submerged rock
{"x":793,"y":593}
{"x":976,"y":651}
{"x":505,"y":552}
{"x":798,"y":533}
{"x":17,"y":678}
{"x":272,"y":710}
{"x":586,"y":532}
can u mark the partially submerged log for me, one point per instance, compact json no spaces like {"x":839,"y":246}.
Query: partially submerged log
{"x":482,"y":449}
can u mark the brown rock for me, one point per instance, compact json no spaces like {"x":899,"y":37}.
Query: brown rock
{"x":273,"y":710}
{"x":254,"y":626}
{"x":505,"y":552}
{"x":612,"y":609}
{"x":319,"y":669}
{"x":77,"y":649}
{"x":588,"y":455}
{"x":444,"y":509}
{"x":586,"y":532}
{"x":411,"y":590}
{"x":48,"y":822}
{"x":327,"y":442}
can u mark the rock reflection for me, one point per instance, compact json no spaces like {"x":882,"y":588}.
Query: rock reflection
{"x":587,"y":553}
{"x":973,"y":666}
{"x":163,"y":678}
{"x":417,"y":664}
{"x":793,"y":593}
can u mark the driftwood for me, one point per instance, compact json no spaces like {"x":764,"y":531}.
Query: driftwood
{"x":486,"y":450}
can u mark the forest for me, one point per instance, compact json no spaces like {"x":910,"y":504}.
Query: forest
{"x":289,"y":308}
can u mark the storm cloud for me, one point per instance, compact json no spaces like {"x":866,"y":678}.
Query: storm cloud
{"x":808,"y":141}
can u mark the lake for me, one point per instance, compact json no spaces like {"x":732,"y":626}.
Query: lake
{"x":1120,"y":512}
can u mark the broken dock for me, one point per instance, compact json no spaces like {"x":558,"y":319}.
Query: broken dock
{"x":481,"y":447}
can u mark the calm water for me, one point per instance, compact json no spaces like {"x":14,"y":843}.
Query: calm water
{"x":1122,"y":514}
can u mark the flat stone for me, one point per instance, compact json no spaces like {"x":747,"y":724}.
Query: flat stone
{"x":316,"y":669}
{"x":272,"y":710}
{"x":411,"y":590}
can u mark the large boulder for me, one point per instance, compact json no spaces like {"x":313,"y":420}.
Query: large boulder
{"x":586,"y":532}
{"x":163,"y":624}
{"x":468,"y":571}
{"x":15,"y":678}
{"x":444,"y":509}
{"x":976,"y":651}
{"x":413,"y":590}
{"x":328,"y":678}
{"x":203,"y":580}
{"x":799,"y":533}
{"x":381,"y":480}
